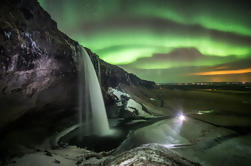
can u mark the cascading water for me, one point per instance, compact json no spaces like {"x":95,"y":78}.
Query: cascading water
{"x":93,"y":131}
{"x":92,"y":114}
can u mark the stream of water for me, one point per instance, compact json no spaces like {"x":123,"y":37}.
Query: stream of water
{"x":92,"y":114}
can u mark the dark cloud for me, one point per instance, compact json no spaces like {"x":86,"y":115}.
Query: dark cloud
{"x":238,"y":64}
{"x":183,"y":74}
{"x":161,"y":26}
{"x":180,"y":55}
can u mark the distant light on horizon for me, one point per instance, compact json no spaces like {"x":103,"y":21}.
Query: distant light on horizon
{"x":224,"y":72}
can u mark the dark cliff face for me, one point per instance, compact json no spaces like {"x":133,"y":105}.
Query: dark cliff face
{"x":38,"y":63}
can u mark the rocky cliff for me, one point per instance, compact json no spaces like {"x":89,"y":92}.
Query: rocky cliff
{"x":38,"y":64}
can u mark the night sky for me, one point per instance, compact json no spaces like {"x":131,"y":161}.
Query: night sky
{"x":163,"y":40}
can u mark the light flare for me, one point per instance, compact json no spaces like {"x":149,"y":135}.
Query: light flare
{"x":182,"y":117}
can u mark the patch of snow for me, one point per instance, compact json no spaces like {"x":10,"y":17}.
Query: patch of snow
{"x":205,"y":112}
{"x":68,"y":156}
{"x":128,"y":161}
{"x":152,"y":99}
{"x":131,"y":105}
{"x":152,"y":154}
{"x":33,"y":43}
{"x":7,"y":34}
{"x":13,"y":63}
{"x":40,"y":159}
{"x":118,"y":94}
{"x":72,"y":156}
{"x":23,"y":45}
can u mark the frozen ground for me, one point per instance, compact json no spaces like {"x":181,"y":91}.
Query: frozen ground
{"x":124,"y":99}
{"x":66,"y":157}
{"x":156,"y":144}
{"x":195,"y":140}
{"x":149,"y":154}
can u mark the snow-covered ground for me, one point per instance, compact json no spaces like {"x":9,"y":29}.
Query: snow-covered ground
{"x":129,"y":104}
{"x":156,"y":144}
{"x":68,"y":156}
{"x":150,"y":154}
{"x":118,"y":94}
{"x":195,"y":140}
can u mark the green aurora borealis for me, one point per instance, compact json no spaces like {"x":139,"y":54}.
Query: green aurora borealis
{"x":162,"y":40}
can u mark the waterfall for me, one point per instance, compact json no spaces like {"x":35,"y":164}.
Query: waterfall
{"x":92,"y":114}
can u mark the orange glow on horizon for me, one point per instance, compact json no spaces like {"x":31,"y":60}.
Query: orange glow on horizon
{"x":223,"y":72}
